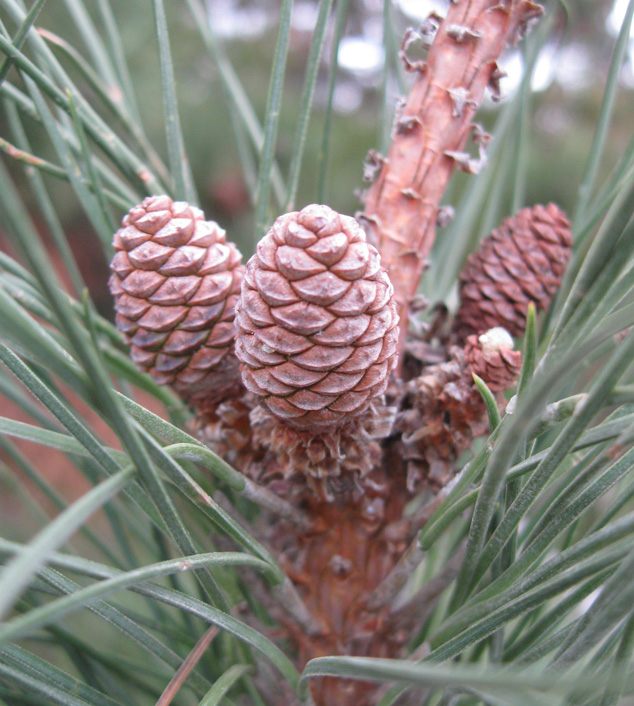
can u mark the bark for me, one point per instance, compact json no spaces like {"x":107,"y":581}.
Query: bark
{"x":336,"y":566}
{"x":430,"y":135}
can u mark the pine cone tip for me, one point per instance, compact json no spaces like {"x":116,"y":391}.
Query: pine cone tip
{"x":496,"y":339}
{"x":491,"y":357}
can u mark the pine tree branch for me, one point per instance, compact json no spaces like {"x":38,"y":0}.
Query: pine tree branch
{"x":431,"y":132}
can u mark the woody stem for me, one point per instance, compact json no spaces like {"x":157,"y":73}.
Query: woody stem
{"x":430,"y":135}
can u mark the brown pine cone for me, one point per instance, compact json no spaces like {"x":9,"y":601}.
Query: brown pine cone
{"x":443,"y":412}
{"x":522,"y":261}
{"x":317,"y":323}
{"x":491,"y":357}
{"x":176,"y":281}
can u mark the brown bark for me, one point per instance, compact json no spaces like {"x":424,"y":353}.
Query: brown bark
{"x":336,"y":566}
{"x":430,"y":135}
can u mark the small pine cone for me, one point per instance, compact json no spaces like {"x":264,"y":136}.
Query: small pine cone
{"x":317,"y":323}
{"x":491,"y":357}
{"x":522,"y":261}
{"x":176,"y":281}
{"x":443,"y":412}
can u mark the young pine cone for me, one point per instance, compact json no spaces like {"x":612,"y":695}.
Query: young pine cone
{"x":522,"y":261}
{"x":444,"y":412}
{"x":176,"y":281}
{"x":317,"y":323}
{"x":491,"y":357}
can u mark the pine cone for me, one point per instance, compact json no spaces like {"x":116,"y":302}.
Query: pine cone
{"x":522,"y":261}
{"x":491,"y":357}
{"x":317,"y":323}
{"x":176,"y":281}
{"x":443,"y":412}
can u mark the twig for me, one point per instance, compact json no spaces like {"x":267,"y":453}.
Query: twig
{"x":186,"y":668}
{"x":431,"y":132}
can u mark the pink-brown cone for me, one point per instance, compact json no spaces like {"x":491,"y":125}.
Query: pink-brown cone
{"x":176,"y":281}
{"x":317,"y":323}
{"x":522,"y":261}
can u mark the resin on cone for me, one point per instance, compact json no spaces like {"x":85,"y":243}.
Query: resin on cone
{"x":522,"y":261}
{"x":176,"y":281}
{"x":317,"y":323}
